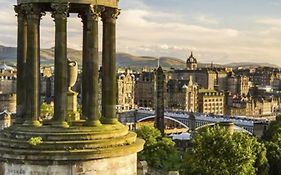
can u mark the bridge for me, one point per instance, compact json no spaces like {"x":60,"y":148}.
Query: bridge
{"x":182,"y":118}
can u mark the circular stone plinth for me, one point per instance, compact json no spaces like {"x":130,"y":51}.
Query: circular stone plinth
{"x":123,"y":165}
{"x":63,"y":145}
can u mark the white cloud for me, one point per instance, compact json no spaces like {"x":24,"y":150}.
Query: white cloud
{"x":172,"y":38}
{"x":270,"y":21}
{"x":207,"y":20}
{"x":143,"y":30}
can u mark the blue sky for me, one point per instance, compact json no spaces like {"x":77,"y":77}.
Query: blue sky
{"x":220,"y":31}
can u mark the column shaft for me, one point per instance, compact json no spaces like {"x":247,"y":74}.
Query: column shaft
{"x":60,"y":104}
{"x":92,"y":62}
{"x":109,"y":17}
{"x":21,"y":63}
{"x":84,"y":65}
{"x":32,"y":66}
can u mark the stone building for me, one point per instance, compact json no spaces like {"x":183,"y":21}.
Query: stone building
{"x":7,"y":72}
{"x":254,"y":107}
{"x":203,"y":77}
{"x":145,"y":89}
{"x":125,"y":91}
{"x":47,"y":71}
{"x":210,"y":101}
{"x":5,"y":120}
{"x":238,"y":85}
{"x":8,"y":103}
{"x":8,"y":77}
{"x":191,"y":91}
{"x":182,"y":94}
{"x":176,"y":94}
{"x":221,"y":78}
{"x":264,"y":76}
{"x":191,"y":62}
{"x":276,"y":84}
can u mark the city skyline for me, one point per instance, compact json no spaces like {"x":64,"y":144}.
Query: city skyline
{"x":217,"y":31}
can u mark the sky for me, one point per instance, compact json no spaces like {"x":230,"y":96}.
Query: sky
{"x":219,"y":31}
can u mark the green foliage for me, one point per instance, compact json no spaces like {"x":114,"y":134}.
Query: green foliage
{"x":217,"y":152}
{"x":273,"y":144}
{"x":35,"y":141}
{"x":159,"y":152}
{"x":46,"y":110}
{"x":149,"y":134}
{"x":273,"y":129}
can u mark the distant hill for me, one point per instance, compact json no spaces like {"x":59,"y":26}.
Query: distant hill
{"x":250,"y":64}
{"x":123,"y":59}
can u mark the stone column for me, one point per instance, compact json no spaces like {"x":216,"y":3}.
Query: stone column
{"x":159,"y":119}
{"x":92,"y":68}
{"x":21,"y":62}
{"x":83,"y":16}
{"x":32,"y":66}
{"x":60,"y":13}
{"x":109,"y":16}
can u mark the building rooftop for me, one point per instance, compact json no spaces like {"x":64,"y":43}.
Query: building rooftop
{"x":206,"y":90}
{"x":6,"y":67}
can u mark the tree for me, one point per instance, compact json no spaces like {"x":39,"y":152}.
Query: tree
{"x":273,"y":129}
{"x":215,"y":151}
{"x":272,"y":139}
{"x":159,"y":152}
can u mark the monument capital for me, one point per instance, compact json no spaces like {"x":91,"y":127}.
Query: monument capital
{"x":60,"y":10}
{"x":110,"y":14}
{"x":107,"y":3}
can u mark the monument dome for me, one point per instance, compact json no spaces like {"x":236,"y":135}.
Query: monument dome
{"x":191,"y":62}
{"x":191,"y":59}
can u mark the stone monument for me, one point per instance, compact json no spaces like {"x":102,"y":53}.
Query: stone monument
{"x":100,"y":145}
{"x":159,"y":119}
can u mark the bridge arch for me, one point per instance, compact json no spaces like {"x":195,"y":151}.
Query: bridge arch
{"x":165,"y":117}
{"x":212,"y":124}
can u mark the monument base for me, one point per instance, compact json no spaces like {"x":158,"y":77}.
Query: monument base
{"x":76,"y":150}
{"x":125,"y":165}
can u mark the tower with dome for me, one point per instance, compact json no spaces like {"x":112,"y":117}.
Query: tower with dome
{"x":191,"y":62}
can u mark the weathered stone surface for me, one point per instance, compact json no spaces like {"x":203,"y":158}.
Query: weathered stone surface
{"x":108,"y":3}
{"x":67,"y":145}
{"x":125,"y":165}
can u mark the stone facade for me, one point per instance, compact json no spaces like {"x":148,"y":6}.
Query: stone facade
{"x":8,"y":76}
{"x":244,"y":106}
{"x":8,"y":102}
{"x":210,"y":101}
{"x":145,"y":89}
{"x":182,"y":94}
{"x":238,"y":85}
{"x":203,"y":77}
{"x":125,"y":91}
{"x":8,"y":86}
{"x":5,"y":120}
